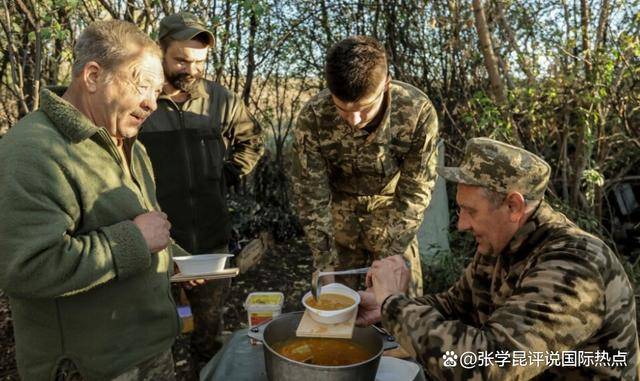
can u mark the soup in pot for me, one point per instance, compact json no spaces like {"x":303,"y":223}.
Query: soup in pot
{"x":330,"y":302}
{"x":322,"y":351}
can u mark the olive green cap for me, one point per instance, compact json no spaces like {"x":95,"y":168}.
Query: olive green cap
{"x":183,"y":26}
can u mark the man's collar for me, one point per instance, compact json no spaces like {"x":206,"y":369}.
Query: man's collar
{"x":67,"y":119}
{"x":540,"y":216}
{"x":381,"y":132}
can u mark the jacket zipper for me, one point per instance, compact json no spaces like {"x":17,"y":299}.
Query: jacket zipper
{"x":116,"y":154}
{"x":192,"y":231}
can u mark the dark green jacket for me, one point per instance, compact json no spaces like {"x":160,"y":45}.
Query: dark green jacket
{"x":81,"y":280}
{"x":198,"y":149}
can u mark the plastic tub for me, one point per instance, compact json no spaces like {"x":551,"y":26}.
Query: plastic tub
{"x":263,"y":306}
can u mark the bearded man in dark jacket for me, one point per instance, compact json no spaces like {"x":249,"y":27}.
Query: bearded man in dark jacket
{"x":201,"y":140}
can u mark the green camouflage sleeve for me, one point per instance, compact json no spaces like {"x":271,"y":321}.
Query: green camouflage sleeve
{"x":246,"y":143}
{"x":312,"y":195}
{"x":453,"y":303}
{"x":558,"y":306}
{"x":394,"y":226}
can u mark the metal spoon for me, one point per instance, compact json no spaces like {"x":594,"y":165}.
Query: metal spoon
{"x":315,"y":278}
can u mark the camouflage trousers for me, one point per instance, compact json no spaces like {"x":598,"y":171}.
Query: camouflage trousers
{"x":158,"y":368}
{"x":207,"y":308}
{"x":207,"y":303}
{"x":349,"y":216}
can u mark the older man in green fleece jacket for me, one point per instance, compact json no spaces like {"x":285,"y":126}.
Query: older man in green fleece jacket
{"x":84,"y":250}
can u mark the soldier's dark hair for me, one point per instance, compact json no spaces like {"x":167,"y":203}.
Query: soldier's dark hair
{"x":165,"y":42}
{"x":354,"y":67}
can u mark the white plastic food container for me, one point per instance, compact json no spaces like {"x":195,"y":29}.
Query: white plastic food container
{"x":335,"y":316}
{"x":202,"y":263}
{"x":263,"y":306}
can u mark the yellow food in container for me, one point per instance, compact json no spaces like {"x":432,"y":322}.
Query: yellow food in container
{"x":263,"y":306}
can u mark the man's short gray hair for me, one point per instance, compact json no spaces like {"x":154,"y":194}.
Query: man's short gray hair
{"x":496,"y":199}
{"x":111,"y":43}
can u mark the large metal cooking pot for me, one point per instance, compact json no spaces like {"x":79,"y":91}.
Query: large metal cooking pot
{"x":280,"y":368}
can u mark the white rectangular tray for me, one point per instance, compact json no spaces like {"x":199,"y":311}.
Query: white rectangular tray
{"x":226,"y":273}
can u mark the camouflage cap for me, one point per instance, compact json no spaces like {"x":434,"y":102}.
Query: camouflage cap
{"x":183,"y":26}
{"x":500,"y":167}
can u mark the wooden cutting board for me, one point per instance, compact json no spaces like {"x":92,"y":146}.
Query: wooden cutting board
{"x":311,"y":328}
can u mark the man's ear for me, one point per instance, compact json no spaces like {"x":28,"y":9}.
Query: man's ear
{"x":91,"y":76}
{"x":517,"y":206}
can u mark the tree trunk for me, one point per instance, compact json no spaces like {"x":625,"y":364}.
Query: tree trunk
{"x":584,"y":28}
{"x":236,"y":56}
{"x":392,"y":35}
{"x":580,"y":156}
{"x":603,"y":20}
{"x":224,"y":41}
{"x":251,"y":61}
{"x":324,"y":21}
{"x":490,"y":61}
{"x":491,"y":64}
{"x":513,"y":45}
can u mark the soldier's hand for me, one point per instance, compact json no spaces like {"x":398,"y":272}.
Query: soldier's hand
{"x":368,"y":310}
{"x":193,"y":283}
{"x":388,"y":276}
{"x":154,"y":227}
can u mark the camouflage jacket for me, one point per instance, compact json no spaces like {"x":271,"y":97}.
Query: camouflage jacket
{"x":555,"y":293}
{"x":386,"y":175}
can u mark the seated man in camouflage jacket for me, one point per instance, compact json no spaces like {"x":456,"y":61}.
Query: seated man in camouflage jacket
{"x":541,"y":298}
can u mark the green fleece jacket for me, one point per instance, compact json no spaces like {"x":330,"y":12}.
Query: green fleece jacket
{"x":81,"y":280}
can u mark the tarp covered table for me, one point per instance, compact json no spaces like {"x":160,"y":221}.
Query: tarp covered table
{"x":238,"y":360}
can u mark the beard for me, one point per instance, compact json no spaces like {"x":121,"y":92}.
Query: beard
{"x":182,"y":81}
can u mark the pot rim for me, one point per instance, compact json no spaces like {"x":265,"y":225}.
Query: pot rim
{"x":323,"y":367}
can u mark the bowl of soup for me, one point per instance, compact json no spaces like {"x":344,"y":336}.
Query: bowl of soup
{"x":337,"y":304}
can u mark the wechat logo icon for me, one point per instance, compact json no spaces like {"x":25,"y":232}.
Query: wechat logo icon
{"x":450,"y":359}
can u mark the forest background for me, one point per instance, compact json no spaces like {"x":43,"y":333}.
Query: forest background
{"x":560,"y":78}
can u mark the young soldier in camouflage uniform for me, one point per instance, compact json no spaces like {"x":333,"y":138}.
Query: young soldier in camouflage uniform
{"x":364,"y":162}
{"x":201,"y":140}
{"x":539,"y":289}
